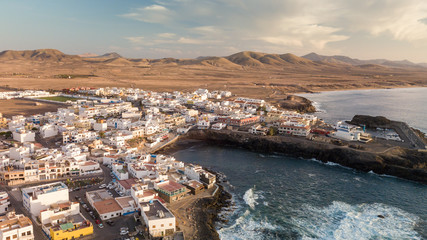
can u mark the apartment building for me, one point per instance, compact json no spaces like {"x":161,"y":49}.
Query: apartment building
{"x":160,"y":221}
{"x":39,"y":198}
{"x":16,"y":227}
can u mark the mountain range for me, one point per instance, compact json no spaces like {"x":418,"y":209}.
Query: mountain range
{"x":235,"y":61}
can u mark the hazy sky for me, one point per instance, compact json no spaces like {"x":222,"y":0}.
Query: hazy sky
{"x":393,"y":29}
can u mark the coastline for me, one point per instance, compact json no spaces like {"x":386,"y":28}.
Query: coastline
{"x":399,"y":162}
{"x":205,"y":210}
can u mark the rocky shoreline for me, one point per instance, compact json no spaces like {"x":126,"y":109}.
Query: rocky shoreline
{"x":403,"y":163}
{"x":206,"y":212}
{"x":400,"y":162}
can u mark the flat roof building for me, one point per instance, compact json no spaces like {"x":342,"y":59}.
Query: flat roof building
{"x":160,"y":221}
{"x":38,"y":198}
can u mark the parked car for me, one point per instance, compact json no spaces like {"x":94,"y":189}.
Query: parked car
{"x":102,"y":186}
{"x":97,"y":221}
{"x":124,"y":232}
{"x":110,"y":222}
{"x":101,"y":225}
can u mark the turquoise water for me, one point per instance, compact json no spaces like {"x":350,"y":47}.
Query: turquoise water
{"x":400,"y":104}
{"x":279,"y":197}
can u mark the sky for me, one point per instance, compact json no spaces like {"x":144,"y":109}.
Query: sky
{"x":391,"y":29}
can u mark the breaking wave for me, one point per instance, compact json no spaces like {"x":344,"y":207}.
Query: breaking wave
{"x":364,"y":221}
{"x":248,"y":228}
{"x":250,"y":198}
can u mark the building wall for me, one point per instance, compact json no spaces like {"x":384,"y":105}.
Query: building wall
{"x":60,"y":235}
{"x":44,"y":201}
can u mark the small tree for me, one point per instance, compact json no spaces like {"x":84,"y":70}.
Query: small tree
{"x":272,"y":131}
{"x":101,"y":134}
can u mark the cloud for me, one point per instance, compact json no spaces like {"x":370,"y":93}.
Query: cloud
{"x":150,"y":14}
{"x":135,"y":40}
{"x":285,"y":25}
{"x":166,"y":35}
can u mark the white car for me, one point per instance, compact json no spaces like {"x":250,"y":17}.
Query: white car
{"x":124,"y":232}
{"x":102,"y":186}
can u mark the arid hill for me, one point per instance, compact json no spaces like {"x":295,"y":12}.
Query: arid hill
{"x":253,"y":74}
{"x":37,"y":55}
{"x":353,"y":61}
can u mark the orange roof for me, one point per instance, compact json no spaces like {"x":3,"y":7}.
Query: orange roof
{"x":170,"y":186}
{"x":107,"y":206}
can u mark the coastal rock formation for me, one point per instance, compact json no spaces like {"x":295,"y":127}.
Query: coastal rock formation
{"x":297,"y":103}
{"x":370,"y":122}
{"x":399,"y":162}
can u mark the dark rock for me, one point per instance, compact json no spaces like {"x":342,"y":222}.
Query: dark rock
{"x":297,"y":103}
{"x":370,"y":122}
{"x":399,"y":162}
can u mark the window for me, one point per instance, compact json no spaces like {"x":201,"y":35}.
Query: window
{"x":154,"y":226}
{"x":170,"y":224}
{"x":162,"y":225}
{"x":8,"y":238}
{"x":15,"y":236}
{"x":29,"y":233}
{"x":23,"y":234}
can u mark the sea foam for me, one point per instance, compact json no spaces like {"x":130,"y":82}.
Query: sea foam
{"x":250,"y":198}
{"x":364,"y":221}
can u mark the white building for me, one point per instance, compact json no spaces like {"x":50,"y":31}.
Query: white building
{"x":218,"y":126}
{"x":193,"y":171}
{"x":48,"y":130}
{"x":38,"y":198}
{"x":4,"y":202}
{"x":160,"y":221}
{"x":16,"y":227}
{"x":22,"y":135}
{"x":119,"y":172}
{"x":100,"y":126}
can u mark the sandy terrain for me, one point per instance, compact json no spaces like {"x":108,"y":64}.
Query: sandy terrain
{"x":13,"y":107}
{"x":248,"y":73}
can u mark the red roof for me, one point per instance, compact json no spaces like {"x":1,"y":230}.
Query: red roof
{"x":127,"y":183}
{"x":170,"y":186}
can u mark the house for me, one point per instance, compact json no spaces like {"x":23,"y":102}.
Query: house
{"x":239,"y":120}
{"x":170,"y":191}
{"x":128,"y":205}
{"x":48,"y":130}
{"x":16,"y":227}
{"x":159,"y":220}
{"x":22,"y":135}
{"x":100,"y":126}
{"x":38,"y":198}
{"x":108,"y":208}
{"x":347,"y":132}
{"x":89,"y":167}
{"x":105,"y":205}
{"x":203,"y":124}
{"x":218,"y":126}
{"x":195,"y":186}
{"x":140,"y":193}
{"x":257,"y":129}
{"x":294,"y":129}
{"x":125,"y":185}
{"x":64,"y":221}
{"x":119,"y":171}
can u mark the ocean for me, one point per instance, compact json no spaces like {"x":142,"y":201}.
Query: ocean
{"x":280,"y":197}
{"x":400,"y":104}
